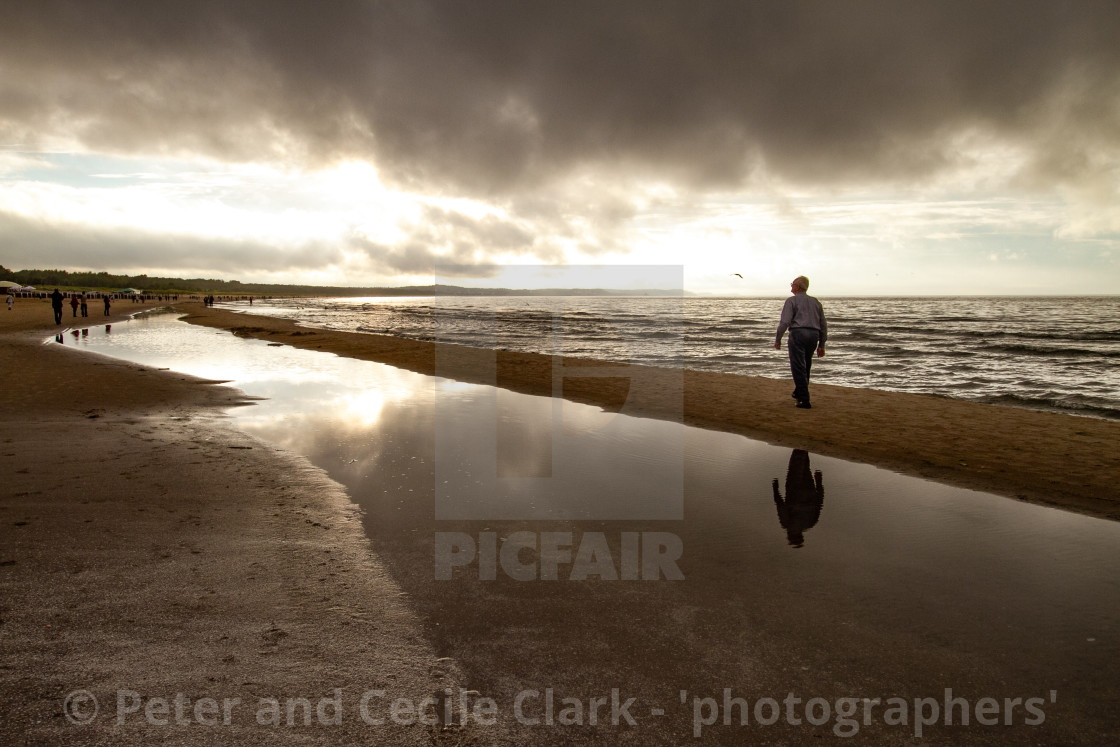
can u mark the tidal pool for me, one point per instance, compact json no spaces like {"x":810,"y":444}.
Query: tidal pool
{"x":558,"y":529}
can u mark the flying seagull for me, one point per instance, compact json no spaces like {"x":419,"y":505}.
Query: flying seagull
{"x":740,"y":276}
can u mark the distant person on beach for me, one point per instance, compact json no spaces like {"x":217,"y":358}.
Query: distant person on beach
{"x":85,"y":308}
{"x":803,"y":315}
{"x":56,"y":304}
{"x":74,"y":305}
{"x":108,"y":303}
{"x":800,"y":510}
{"x":11,"y":300}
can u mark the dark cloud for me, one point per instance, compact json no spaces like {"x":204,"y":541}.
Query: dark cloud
{"x":459,"y":244}
{"x":417,"y":258}
{"x":497,"y":98}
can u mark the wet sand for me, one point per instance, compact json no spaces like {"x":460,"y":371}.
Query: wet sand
{"x":148,"y":546}
{"x":1048,"y":458}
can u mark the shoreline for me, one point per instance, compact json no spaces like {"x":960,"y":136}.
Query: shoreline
{"x":150,"y":547}
{"x":1048,"y":458}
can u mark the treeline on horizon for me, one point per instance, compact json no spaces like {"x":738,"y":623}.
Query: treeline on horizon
{"x":44,"y":279}
{"x":104,"y":281}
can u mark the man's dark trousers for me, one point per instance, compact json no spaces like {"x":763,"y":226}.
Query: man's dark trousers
{"x":802,"y":348}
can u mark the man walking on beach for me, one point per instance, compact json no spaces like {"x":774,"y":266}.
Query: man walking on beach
{"x":804,"y":317}
{"x":56,"y":304}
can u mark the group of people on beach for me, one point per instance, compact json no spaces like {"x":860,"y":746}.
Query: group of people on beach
{"x":77,"y":301}
{"x":80,"y":301}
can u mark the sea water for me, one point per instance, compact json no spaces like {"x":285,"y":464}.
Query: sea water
{"x":1046,"y":353}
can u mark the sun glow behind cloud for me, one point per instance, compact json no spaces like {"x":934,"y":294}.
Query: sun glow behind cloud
{"x":335,"y":226}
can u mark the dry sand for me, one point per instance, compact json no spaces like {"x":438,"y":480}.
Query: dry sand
{"x":147,"y":546}
{"x":1044,"y":457}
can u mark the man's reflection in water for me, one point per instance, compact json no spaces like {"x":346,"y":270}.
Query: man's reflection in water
{"x":804,"y":498}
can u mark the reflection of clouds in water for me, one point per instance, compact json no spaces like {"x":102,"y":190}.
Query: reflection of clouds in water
{"x":384,"y":464}
{"x":363,"y":408}
{"x":245,"y":377}
{"x":300,"y":390}
{"x":348,"y":408}
{"x":163,"y":341}
{"x":450,"y":386}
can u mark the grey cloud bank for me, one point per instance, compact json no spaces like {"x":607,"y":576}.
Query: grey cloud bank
{"x":494,"y":97}
{"x":27,"y":242}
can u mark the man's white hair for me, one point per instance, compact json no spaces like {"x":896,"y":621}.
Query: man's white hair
{"x":801,"y":282}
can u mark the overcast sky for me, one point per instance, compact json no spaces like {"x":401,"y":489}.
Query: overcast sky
{"x":878,"y":147}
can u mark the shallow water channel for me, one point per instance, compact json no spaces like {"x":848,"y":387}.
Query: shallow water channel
{"x":550,"y":545}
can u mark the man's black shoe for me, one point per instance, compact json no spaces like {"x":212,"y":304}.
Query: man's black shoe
{"x":804,"y":405}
